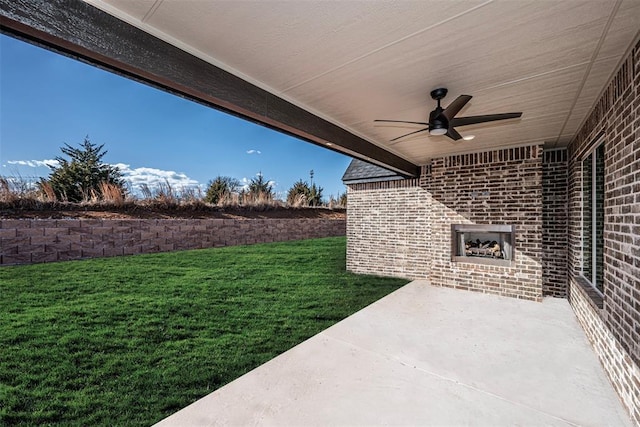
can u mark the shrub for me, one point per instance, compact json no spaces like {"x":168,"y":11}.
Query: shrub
{"x":16,"y":191}
{"x":111,"y":194}
{"x":46,"y":191}
{"x":338,"y":202}
{"x":299,"y":194}
{"x":7,"y":191}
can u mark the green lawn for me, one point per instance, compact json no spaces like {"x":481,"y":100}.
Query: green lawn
{"x":130,"y":340}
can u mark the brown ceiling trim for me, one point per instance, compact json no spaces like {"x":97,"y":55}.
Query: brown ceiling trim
{"x":82,"y":31}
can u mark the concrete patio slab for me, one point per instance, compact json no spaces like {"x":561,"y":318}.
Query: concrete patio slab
{"x":427,"y":356}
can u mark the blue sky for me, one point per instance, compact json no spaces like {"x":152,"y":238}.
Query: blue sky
{"x":47,"y":100}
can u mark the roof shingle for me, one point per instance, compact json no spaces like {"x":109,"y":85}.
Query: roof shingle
{"x":360,"y":171}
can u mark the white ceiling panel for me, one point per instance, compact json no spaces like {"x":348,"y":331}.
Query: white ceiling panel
{"x":625,"y":22}
{"x":352,"y":62}
{"x":285,"y":43}
{"x":588,"y":96}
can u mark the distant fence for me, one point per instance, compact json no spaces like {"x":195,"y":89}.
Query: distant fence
{"x":27,"y":241}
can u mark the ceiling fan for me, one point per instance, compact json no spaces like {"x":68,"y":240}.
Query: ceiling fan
{"x":442,"y":121}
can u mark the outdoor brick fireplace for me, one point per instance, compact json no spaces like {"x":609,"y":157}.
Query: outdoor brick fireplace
{"x":407,"y":227}
{"x":491,"y":244}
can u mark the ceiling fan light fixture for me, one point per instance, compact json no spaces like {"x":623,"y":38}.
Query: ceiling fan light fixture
{"x":437,"y":131}
{"x":443,"y":121}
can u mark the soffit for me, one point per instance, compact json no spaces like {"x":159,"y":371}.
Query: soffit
{"x":352,"y":62}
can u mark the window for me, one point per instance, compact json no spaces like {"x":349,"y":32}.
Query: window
{"x":593,"y":217}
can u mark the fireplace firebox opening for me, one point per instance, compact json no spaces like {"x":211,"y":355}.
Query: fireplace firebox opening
{"x":492,"y":244}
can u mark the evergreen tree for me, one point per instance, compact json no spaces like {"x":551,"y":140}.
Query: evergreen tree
{"x":221,"y":187}
{"x":299,"y":193}
{"x":342,"y":199}
{"x":315,"y":196}
{"x":259,"y":186}
{"x":302,"y":193}
{"x":79,"y":177}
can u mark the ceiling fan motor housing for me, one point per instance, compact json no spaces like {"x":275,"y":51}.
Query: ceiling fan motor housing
{"x":438,"y":123}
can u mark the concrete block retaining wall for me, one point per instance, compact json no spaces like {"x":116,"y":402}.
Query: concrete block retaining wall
{"x":27,"y":241}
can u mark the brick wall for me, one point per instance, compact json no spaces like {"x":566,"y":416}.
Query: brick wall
{"x":403,"y":228}
{"x":614,"y":329}
{"x":31,"y":241}
{"x":388,"y":229}
{"x":554,"y":223}
{"x":622,"y":371}
{"x":493,"y":187}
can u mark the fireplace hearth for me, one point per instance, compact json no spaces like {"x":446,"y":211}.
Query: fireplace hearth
{"x":492,"y":244}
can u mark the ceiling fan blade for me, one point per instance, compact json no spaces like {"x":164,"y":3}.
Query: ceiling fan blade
{"x":401,"y":121}
{"x":472,"y":120}
{"x":453,"y":134}
{"x":407,"y":134}
{"x":455,"y":107}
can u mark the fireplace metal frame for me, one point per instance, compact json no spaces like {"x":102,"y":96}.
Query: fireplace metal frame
{"x":483,"y":228}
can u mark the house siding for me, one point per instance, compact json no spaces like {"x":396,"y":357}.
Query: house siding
{"x":612,"y":321}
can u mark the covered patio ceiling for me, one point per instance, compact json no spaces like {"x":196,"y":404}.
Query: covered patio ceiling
{"x":351,"y":62}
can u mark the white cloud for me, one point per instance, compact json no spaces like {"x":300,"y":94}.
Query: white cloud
{"x":35,"y":163}
{"x":134,"y":176}
{"x":254,"y":152}
{"x":155,"y":177}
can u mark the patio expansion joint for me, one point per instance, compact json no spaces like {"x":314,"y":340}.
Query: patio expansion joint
{"x":408,"y":364}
